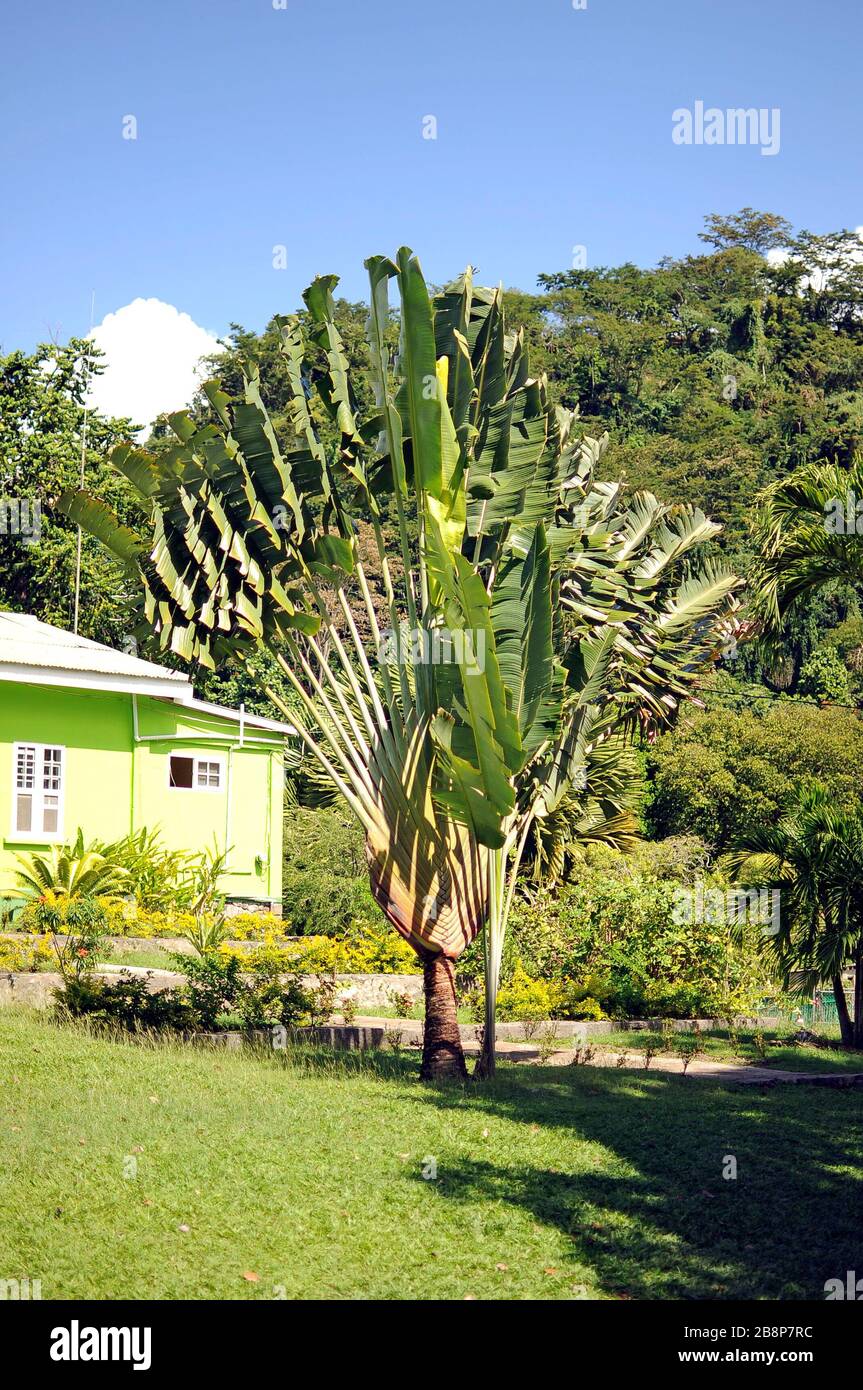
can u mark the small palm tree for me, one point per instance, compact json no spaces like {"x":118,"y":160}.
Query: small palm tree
{"x":531,"y":612}
{"x":814,"y":857}
{"x":69,"y":872}
{"x":207,"y":902}
{"x":808,"y":532}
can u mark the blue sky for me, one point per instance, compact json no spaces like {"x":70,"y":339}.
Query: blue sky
{"x":302,"y":127}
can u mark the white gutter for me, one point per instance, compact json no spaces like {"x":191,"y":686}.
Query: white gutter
{"x":203,"y":737}
{"x":94,"y":680}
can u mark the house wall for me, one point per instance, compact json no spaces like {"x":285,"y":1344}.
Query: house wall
{"x":114,"y":784}
{"x":245,"y":814}
{"x":96,"y":731}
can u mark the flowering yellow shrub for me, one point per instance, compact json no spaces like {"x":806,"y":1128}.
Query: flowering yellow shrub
{"x":523,"y":999}
{"x":126,"y":919}
{"x":257,"y":926}
{"x":365,"y":951}
{"x":25,"y":953}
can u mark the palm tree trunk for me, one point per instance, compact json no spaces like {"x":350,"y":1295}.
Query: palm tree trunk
{"x":858,"y":993}
{"x":443,"y":1054}
{"x":846,"y":1028}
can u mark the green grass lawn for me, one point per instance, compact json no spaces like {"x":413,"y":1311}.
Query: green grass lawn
{"x":158,"y":1171}
{"x":153,"y":957}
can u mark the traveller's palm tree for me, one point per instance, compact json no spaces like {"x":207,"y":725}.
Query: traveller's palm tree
{"x":567,"y":612}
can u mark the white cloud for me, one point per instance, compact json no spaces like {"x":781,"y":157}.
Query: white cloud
{"x":152,"y":360}
{"x":818,"y":278}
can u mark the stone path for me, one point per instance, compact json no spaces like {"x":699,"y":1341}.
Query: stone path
{"x":411,"y":1033}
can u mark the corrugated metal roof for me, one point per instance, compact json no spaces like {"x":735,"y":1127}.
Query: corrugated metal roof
{"x":25,"y":641}
{"x":28,"y":644}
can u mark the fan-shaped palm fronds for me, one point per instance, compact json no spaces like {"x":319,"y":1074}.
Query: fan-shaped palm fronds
{"x":532,"y":610}
{"x":69,"y":871}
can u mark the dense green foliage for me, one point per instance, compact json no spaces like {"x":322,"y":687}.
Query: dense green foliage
{"x":42,"y":412}
{"x":609,"y":937}
{"x":325,"y":887}
{"x":720,"y":773}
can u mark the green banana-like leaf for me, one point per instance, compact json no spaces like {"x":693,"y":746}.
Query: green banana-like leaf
{"x":98,"y":520}
{"x":522,"y":621}
{"x":418,"y":400}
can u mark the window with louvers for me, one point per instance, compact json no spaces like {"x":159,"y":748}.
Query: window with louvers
{"x":38,"y":790}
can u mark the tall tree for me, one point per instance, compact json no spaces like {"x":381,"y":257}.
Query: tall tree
{"x":756,"y":231}
{"x":535,"y":612}
{"x":42,"y":410}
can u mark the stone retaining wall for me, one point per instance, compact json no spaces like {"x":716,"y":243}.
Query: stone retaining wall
{"x":372,"y":992}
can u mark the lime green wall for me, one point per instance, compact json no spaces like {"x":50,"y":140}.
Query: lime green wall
{"x":113,"y":784}
{"x":249,"y":819}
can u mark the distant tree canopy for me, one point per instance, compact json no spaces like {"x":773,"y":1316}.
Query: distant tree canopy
{"x":713,"y":374}
{"x":720,"y":774}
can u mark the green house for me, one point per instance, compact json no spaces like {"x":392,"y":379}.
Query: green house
{"x":101,"y":740}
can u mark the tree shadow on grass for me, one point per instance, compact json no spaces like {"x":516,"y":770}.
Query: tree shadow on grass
{"x":639,"y":1190}
{"x":647,"y":1207}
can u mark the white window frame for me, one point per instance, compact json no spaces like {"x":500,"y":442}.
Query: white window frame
{"x":197,"y":760}
{"x":37,"y":834}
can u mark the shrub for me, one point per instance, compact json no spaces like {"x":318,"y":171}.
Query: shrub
{"x":260,"y":988}
{"x":525,"y":1000}
{"x":213,"y":985}
{"x":159,"y":879}
{"x":125,"y":918}
{"x":220,"y":989}
{"x":126,"y":1002}
{"x":402,"y":1001}
{"x":22,"y":953}
{"x":77,"y":931}
{"x":581,"y":1000}
{"x":366,"y":949}
{"x":256,"y":926}
{"x":325,"y":882}
{"x":271,"y":991}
